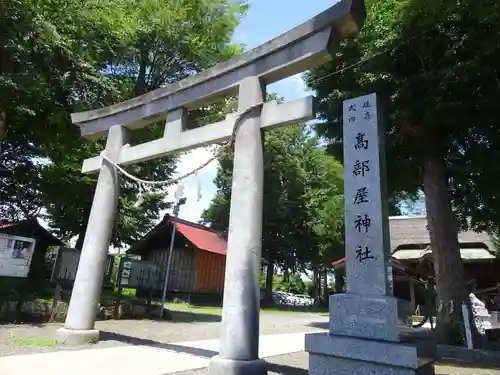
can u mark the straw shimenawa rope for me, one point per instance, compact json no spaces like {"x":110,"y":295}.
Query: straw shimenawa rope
{"x":237,"y":124}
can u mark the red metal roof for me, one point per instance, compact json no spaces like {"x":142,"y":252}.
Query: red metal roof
{"x":338,"y":261}
{"x":203,"y":238}
{"x":2,"y":226}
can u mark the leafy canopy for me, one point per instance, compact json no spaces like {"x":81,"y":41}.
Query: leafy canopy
{"x":303,"y":201}
{"x":67,"y":56}
{"x":434,"y":66}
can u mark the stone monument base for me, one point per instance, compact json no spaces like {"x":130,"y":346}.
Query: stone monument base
{"x":77,"y":337}
{"x":371,"y":317}
{"x":344,"y":355}
{"x":221,"y":366}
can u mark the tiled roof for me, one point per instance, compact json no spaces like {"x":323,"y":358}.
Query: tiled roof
{"x":413,"y":231}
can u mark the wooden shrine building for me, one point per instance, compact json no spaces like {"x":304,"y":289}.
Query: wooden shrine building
{"x":412,"y":258}
{"x":198,"y":261}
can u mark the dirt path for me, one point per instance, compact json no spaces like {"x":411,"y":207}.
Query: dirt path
{"x":186,"y":326}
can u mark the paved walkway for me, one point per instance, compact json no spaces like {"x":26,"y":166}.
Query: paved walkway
{"x":134,"y":359}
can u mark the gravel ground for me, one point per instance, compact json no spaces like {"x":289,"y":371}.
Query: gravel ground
{"x":28,"y":339}
{"x":186,"y":326}
{"x":297,"y":364}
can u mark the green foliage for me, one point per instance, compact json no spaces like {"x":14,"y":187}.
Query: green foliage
{"x":66,"y":56}
{"x":291,"y":284}
{"x":303,"y":204}
{"x":495,"y":239}
{"x":455,"y":333}
{"x":310,"y":288}
{"x":434,"y":66}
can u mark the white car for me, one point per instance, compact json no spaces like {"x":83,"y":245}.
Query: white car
{"x":305,"y":300}
{"x":292,"y":299}
{"x":280,"y":298}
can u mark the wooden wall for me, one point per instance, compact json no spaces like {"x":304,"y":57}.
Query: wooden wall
{"x":192,"y":270}
{"x":181,"y":270}
{"x":209,"y":272}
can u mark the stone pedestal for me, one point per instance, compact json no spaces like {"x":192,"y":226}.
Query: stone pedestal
{"x":364,"y":338}
{"x":343,"y":355}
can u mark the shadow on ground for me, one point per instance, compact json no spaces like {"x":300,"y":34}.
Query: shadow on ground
{"x":111,"y":336}
{"x":189,"y":316}
{"x":272,"y":367}
{"x":320,"y":325}
{"x":492,"y":365}
{"x":285,"y":369}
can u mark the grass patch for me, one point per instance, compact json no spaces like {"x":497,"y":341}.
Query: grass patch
{"x":108,"y":298}
{"x":34,"y":342}
{"x":214,"y":310}
{"x":217,"y":310}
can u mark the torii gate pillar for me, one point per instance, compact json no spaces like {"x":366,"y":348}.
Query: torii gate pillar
{"x":239,"y":351}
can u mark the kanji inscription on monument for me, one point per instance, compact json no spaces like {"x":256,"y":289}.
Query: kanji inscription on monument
{"x":365,"y":217}
{"x":364,"y":330}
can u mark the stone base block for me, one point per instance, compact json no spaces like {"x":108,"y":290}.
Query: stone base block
{"x":375,"y":317}
{"x":324,"y":365}
{"x":221,"y":366}
{"x":77,"y":337}
{"x":339,"y":355}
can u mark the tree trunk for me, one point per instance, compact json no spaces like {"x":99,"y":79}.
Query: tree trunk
{"x":445,"y":247}
{"x":325,"y":286}
{"x":79,"y":241}
{"x":3,"y":126}
{"x":315,"y":288}
{"x":339,"y":279}
{"x":269,"y":284}
{"x":3,"y":131}
{"x":318,"y":285}
{"x":83,"y":231}
{"x":140,"y":84}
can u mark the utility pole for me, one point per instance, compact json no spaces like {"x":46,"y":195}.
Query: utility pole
{"x":179,"y":203}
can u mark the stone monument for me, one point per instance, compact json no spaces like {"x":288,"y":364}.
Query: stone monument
{"x":304,"y":47}
{"x":482,"y":318}
{"x":364,"y":335}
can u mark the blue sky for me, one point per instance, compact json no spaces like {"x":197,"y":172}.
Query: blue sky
{"x":265,"y":20}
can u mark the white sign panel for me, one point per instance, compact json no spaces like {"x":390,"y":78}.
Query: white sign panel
{"x":15,"y":255}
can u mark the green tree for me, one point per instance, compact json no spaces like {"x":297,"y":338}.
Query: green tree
{"x":434,"y":67}
{"x":43,"y":61}
{"x":495,"y":238}
{"x":291,"y":284}
{"x":80,"y":55}
{"x":298,"y":179}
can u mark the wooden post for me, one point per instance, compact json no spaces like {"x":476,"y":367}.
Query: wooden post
{"x":412,"y":295}
{"x":55,"y":302}
{"x":118,"y":298}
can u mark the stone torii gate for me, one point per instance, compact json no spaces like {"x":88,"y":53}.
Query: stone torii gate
{"x":304,"y":47}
